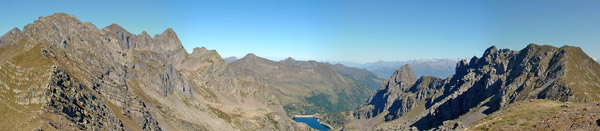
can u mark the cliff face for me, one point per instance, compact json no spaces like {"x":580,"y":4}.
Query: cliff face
{"x":61,"y":73}
{"x":484,"y":85}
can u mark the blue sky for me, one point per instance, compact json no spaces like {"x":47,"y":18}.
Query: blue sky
{"x":339,"y":30}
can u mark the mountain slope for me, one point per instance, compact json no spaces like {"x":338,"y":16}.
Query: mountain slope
{"x":485,"y":85}
{"x":303,"y":87}
{"x":542,"y":115}
{"x":363,"y":76}
{"x":59,"y":73}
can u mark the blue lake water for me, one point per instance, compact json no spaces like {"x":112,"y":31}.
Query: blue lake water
{"x":312,"y":122}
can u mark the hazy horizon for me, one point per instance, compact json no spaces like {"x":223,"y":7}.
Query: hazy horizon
{"x":352,"y":31}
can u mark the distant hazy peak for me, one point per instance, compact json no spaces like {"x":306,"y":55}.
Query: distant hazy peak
{"x":289,"y":59}
{"x":228,"y":60}
{"x":144,"y":33}
{"x":11,"y":32}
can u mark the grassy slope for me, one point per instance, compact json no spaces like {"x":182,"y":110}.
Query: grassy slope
{"x":541,"y":115}
{"x":19,"y":76}
{"x":583,"y":75}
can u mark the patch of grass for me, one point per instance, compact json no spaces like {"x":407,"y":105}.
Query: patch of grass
{"x":522,"y":116}
{"x":524,"y":124}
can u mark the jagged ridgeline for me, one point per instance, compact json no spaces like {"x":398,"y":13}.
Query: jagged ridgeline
{"x":59,"y":73}
{"x":482,"y":86}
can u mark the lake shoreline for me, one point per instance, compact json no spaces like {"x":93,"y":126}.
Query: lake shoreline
{"x":318,"y":121}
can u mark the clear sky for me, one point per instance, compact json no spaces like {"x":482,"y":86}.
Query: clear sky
{"x":339,"y":30}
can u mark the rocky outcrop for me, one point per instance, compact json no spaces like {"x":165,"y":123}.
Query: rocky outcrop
{"x":389,"y":94}
{"x":484,"y":85}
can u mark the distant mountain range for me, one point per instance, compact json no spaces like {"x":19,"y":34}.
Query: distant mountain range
{"x":424,"y":67}
{"x":229,"y":60}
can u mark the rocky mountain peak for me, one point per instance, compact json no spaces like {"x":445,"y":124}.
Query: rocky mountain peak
{"x":13,"y":31}
{"x":114,"y":28}
{"x":169,"y":32}
{"x":59,"y":17}
{"x":228,"y":60}
{"x":9,"y":34}
{"x":404,"y":74}
{"x":289,"y":59}
{"x":168,"y":40}
{"x":490,"y":50}
{"x":392,"y":92}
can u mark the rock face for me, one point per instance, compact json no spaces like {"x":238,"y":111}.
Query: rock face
{"x":303,"y":87}
{"x":398,"y":95}
{"x":60,"y":73}
{"x":482,"y":86}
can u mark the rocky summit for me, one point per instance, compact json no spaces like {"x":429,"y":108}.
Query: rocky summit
{"x":481,"y":87}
